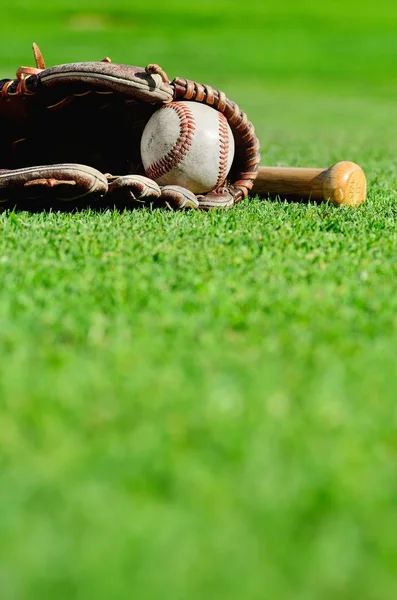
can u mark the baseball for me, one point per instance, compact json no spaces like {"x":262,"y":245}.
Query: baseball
{"x":188,"y":144}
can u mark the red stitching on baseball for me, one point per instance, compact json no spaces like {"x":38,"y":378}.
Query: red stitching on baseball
{"x":224,"y":149}
{"x":181,"y":146}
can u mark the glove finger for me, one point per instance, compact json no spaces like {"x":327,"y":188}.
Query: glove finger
{"x":51,"y":182}
{"x":176,"y":196}
{"x":221,"y":198}
{"x":135,"y":187}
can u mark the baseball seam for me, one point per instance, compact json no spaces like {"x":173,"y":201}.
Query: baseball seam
{"x":223,"y":149}
{"x":181,"y":146}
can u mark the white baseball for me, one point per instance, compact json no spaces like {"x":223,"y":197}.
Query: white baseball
{"x":188,"y":144}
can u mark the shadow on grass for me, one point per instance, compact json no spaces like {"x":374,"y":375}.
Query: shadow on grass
{"x":104,"y":204}
{"x":99,"y":205}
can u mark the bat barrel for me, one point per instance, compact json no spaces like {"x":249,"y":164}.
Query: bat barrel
{"x":343,"y":183}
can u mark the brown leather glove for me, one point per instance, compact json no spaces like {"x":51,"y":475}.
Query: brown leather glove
{"x":73,"y":132}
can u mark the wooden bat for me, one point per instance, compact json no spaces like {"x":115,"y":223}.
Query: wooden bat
{"x":343,"y":183}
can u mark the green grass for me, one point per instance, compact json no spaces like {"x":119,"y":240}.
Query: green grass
{"x":203,"y":405}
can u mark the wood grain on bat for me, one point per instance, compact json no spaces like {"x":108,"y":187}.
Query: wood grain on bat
{"x":343,"y":183}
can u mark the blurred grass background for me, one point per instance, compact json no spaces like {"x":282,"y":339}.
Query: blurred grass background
{"x":326,"y":73}
{"x":203,"y":405}
{"x":347,"y":42}
{"x":285,"y":43}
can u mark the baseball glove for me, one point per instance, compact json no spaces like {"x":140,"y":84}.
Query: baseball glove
{"x":72,"y":132}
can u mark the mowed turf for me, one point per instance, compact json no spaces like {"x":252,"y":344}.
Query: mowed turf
{"x":203,"y":405}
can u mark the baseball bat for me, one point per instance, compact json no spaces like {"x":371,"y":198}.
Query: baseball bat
{"x":343,"y":183}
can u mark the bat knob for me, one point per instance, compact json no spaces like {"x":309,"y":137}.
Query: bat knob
{"x":345,"y":183}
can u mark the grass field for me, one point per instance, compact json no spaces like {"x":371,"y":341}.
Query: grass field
{"x":204,"y":405}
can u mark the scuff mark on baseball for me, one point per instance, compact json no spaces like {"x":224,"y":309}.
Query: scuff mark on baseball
{"x":188,"y":144}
